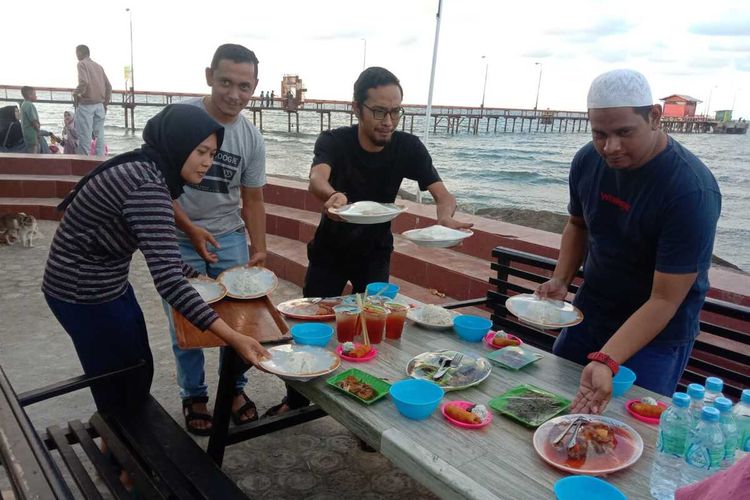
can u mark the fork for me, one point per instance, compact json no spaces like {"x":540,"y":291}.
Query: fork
{"x":443,"y":369}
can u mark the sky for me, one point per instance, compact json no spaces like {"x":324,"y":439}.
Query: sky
{"x":701,"y":49}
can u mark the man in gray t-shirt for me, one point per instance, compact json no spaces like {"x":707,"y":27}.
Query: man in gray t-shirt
{"x":212,"y":216}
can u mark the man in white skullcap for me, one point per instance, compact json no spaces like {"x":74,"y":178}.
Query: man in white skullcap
{"x":643,"y":212}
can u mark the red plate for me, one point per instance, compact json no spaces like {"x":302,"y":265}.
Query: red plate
{"x":648,"y":420}
{"x":491,"y":335}
{"x":295,"y":309}
{"x":464,"y":425}
{"x":367,"y":357}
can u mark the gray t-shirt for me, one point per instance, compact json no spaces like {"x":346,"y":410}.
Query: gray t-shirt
{"x":214,"y":204}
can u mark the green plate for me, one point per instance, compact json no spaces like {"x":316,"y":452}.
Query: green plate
{"x":518,"y":404}
{"x":380,"y":387}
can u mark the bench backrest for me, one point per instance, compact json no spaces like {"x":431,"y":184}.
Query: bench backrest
{"x":722,"y":349}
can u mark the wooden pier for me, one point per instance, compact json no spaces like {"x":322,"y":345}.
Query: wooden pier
{"x":444,"y":119}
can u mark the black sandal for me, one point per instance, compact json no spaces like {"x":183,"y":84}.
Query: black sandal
{"x":237,"y":416}
{"x":275,"y":409}
{"x":192,"y":416}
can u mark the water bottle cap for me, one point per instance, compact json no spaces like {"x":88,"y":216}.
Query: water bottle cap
{"x":710,"y":414}
{"x":696,"y":391}
{"x":681,"y":400}
{"x":714,"y":384}
{"x":723,"y":405}
{"x":746,"y":396}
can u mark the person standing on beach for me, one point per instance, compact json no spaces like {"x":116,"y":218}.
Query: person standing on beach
{"x":30,"y":120}
{"x":643,"y":213}
{"x":367,"y":161}
{"x":91,"y":96}
{"x":212,"y":216}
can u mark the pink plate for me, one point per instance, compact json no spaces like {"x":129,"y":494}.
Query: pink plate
{"x":366,"y":357}
{"x":648,"y":420}
{"x":491,"y":335}
{"x":464,"y":405}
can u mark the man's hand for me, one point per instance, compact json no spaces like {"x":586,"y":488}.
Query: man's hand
{"x":454,"y":224}
{"x":595,"y":390}
{"x":336,"y":200}
{"x":555,"y":289}
{"x":249,"y":349}
{"x":200,"y":238}
{"x":258,"y":259}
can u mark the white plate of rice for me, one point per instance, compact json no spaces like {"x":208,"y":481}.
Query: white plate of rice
{"x":436,"y":236}
{"x":368,"y":212}
{"x":432,"y":316}
{"x":543,"y":313}
{"x":300,"y":362}
{"x":244,"y":282}
{"x":209,"y":290}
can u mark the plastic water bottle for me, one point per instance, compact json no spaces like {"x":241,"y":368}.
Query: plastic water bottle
{"x":697,"y":394}
{"x":729,"y":428}
{"x":674,"y":426}
{"x":705,"y":448}
{"x":714,"y":386}
{"x":742,"y":420}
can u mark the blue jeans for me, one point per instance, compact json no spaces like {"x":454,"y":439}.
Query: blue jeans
{"x":190,"y":362}
{"x":107,"y":337}
{"x":657,"y":368}
{"x":89,"y":119}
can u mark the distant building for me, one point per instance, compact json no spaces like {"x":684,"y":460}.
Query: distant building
{"x":679,"y":106}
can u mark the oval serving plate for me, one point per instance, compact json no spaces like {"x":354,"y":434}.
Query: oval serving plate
{"x":470,"y":372}
{"x":300,"y":362}
{"x":465,"y":405}
{"x":436,"y":236}
{"x":310,"y":309}
{"x":210,"y":290}
{"x":244,"y":282}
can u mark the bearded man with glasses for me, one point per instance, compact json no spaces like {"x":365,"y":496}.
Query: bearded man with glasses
{"x":367,"y":161}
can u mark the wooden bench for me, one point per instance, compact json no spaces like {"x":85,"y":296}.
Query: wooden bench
{"x":163,"y":461}
{"x":722,"y":349}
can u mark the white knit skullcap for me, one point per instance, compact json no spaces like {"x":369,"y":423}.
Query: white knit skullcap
{"x":619,"y":88}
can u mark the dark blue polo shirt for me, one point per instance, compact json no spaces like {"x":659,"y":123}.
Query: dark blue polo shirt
{"x":660,"y":217}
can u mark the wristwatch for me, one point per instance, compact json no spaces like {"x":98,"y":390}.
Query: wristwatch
{"x":605,"y":359}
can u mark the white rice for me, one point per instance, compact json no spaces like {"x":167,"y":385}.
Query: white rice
{"x":436,"y":315}
{"x":300,"y":362}
{"x":247,"y":284}
{"x":542,"y":311}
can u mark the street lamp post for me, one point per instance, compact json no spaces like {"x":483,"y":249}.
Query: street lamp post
{"x":484,"y":89}
{"x":132,"y":80}
{"x":364,"y":53}
{"x":538,"y":85}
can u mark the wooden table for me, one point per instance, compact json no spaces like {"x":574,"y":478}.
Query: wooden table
{"x":498,"y":461}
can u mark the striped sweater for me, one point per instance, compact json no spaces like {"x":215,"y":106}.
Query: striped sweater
{"x":125,"y":208}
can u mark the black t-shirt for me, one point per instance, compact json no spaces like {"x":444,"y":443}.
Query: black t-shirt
{"x":365,"y":176}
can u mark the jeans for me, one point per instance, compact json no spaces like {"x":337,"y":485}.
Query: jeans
{"x":657,"y":368}
{"x":90,"y":118}
{"x":190,"y":362}
{"x":107,"y":337}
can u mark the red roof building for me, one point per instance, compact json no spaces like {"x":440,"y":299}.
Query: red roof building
{"x":679,"y":106}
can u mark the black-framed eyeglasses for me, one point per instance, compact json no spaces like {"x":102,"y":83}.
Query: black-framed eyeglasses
{"x":379,"y":113}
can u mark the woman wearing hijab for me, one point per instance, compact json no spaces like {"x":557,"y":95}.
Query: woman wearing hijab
{"x":122,"y":206}
{"x":11,"y":134}
{"x":69,"y":134}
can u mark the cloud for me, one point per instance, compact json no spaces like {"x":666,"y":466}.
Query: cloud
{"x":742,"y":45}
{"x":730,"y":24}
{"x":537,"y":53}
{"x":742,"y":64}
{"x":600,"y":29}
{"x":708,"y":62}
{"x":408,"y":41}
{"x":338,"y":36}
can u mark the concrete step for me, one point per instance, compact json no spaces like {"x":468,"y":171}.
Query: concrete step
{"x":36,"y":186}
{"x":41,"y":208}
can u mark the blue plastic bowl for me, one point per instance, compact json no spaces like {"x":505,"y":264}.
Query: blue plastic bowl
{"x":471,"y":328}
{"x":415,"y":398}
{"x":312,"y":333}
{"x":623,"y":381}
{"x":577,"y":487}
{"x":390,"y":289}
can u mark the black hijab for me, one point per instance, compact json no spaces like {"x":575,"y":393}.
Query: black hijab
{"x":169,"y":139}
{"x":8,"y":114}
